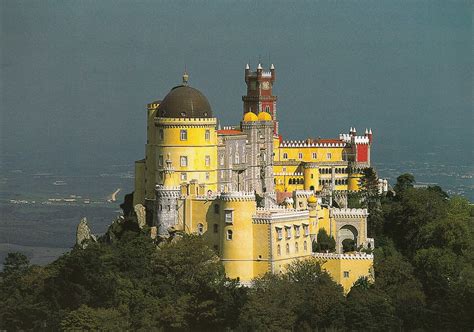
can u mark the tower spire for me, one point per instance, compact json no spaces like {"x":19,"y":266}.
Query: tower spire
{"x":185,"y":76}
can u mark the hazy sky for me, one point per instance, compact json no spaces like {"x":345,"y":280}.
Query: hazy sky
{"x":76,"y":75}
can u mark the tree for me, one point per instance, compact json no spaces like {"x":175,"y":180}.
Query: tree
{"x":303,"y":298}
{"x":324,"y":242}
{"x":404,"y":182}
{"x":15,"y":262}
{"x":369,"y":308}
{"x":90,"y":319}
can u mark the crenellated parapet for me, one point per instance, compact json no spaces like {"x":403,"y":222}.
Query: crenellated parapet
{"x":167,"y":191}
{"x":185,"y":122}
{"x":278,"y":214}
{"x":236,"y":196}
{"x":348,"y":213}
{"x":353,"y":256}
{"x":306,"y":144}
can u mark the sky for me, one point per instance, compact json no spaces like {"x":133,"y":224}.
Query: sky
{"x":76,"y":75}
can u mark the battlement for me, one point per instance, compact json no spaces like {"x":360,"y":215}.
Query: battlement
{"x":278,"y":214}
{"x":237,"y":196}
{"x":266,"y":73}
{"x":185,"y":121}
{"x":306,"y":144}
{"x":348,"y":213}
{"x":354,"y":256}
{"x":303,"y":193}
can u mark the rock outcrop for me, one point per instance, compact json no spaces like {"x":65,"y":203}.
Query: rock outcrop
{"x":84,"y":234}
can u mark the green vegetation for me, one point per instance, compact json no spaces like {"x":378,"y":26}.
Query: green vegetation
{"x":424,"y":280}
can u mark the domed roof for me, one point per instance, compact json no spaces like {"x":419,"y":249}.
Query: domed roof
{"x":184,"y":102}
{"x":312,"y":199}
{"x":250,"y":117}
{"x":264,"y":116}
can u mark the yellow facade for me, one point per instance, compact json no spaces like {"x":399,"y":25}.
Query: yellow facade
{"x":182,"y":152}
{"x":346,"y":269}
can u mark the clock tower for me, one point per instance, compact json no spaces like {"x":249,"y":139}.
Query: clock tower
{"x":259,"y":96}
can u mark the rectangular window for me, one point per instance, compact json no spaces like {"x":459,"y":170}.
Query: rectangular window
{"x":279,"y":233}
{"x":284,"y":169}
{"x":229,"y":217}
{"x":314,"y":155}
{"x":208,"y":160}
{"x":297,"y":231}
{"x":288,"y":232}
{"x":300,"y":155}
{"x":207,"y":176}
{"x":162,"y":135}
{"x":207,"y":135}
{"x":237,"y":160}
{"x":221,"y":160}
{"x":184,"y":135}
{"x":329,"y":156}
{"x":216,"y":228}
{"x":184,"y":176}
{"x":216,"y":209}
{"x":160,"y":160}
{"x":346,"y":274}
{"x":183,"y":161}
{"x":306,"y":230}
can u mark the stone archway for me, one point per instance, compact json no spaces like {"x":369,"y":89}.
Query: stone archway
{"x":347,"y":232}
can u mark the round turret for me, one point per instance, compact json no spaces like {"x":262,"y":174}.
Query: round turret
{"x":184,"y":102}
{"x":264,"y":116}
{"x":250,"y":117}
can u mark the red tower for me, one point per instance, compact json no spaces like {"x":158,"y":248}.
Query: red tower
{"x":259,"y":96}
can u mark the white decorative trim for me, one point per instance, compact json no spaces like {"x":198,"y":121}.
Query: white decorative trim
{"x":348,"y":213}
{"x":359,"y":256}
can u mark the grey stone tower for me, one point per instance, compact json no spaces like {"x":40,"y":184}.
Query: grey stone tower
{"x":166,"y":209}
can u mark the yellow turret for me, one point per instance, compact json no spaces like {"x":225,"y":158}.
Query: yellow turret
{"x":250,"y":117}
{"x":264,"y":116}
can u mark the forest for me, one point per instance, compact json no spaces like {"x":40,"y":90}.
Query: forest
{"x":424,"y":279}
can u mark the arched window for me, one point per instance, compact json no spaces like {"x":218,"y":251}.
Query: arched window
{"x":229,"y":234}
{"x":305,"y":246}
{"x":278,"y":250}
{"x":285,"y":155}
{"x":200,"y":228}
{"x":287,"y":248}
{"x":296,"y":247}
{"x":290,"y":181}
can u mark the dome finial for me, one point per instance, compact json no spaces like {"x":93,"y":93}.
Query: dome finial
{"x":185,"y":77}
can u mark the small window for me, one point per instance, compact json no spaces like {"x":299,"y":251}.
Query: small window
{"x":229,"y":217}
{"x":229,"y":235}
{"x":216,"y":209}
{"x":208,"y":160}
{"x":267,"y":109}
{"x":160,"y":160}
{"x":184,"y":135}
{"x":314,"y":155}
{"x":305,"y":246}
{"x":279,"y":233}
{"x":297,"y":231}
{"x":216,"y":228}
{"x":284,"y":169}
{"x":312,"y":176}
{"x":221,"y":161}
{"x":207,"y":135}
{"x":162,"y":134}
{"x":278,"y":250}
{"x":200,"y":229}
{"x":287,"y":248}
{"x":184,"y":177}
{"x":346,"y":274}
{"x":328,"y":156}
{"x":300,"y":155}
{"x":285,"y":155}
{"x":237,"y":158}
{"x":288,"y":232}
{"x":296,"y":247}
{"x":216,"y":248}
{"x":306,"y":230}
{"x":183,"y":161}
{"x":207,"y":176}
